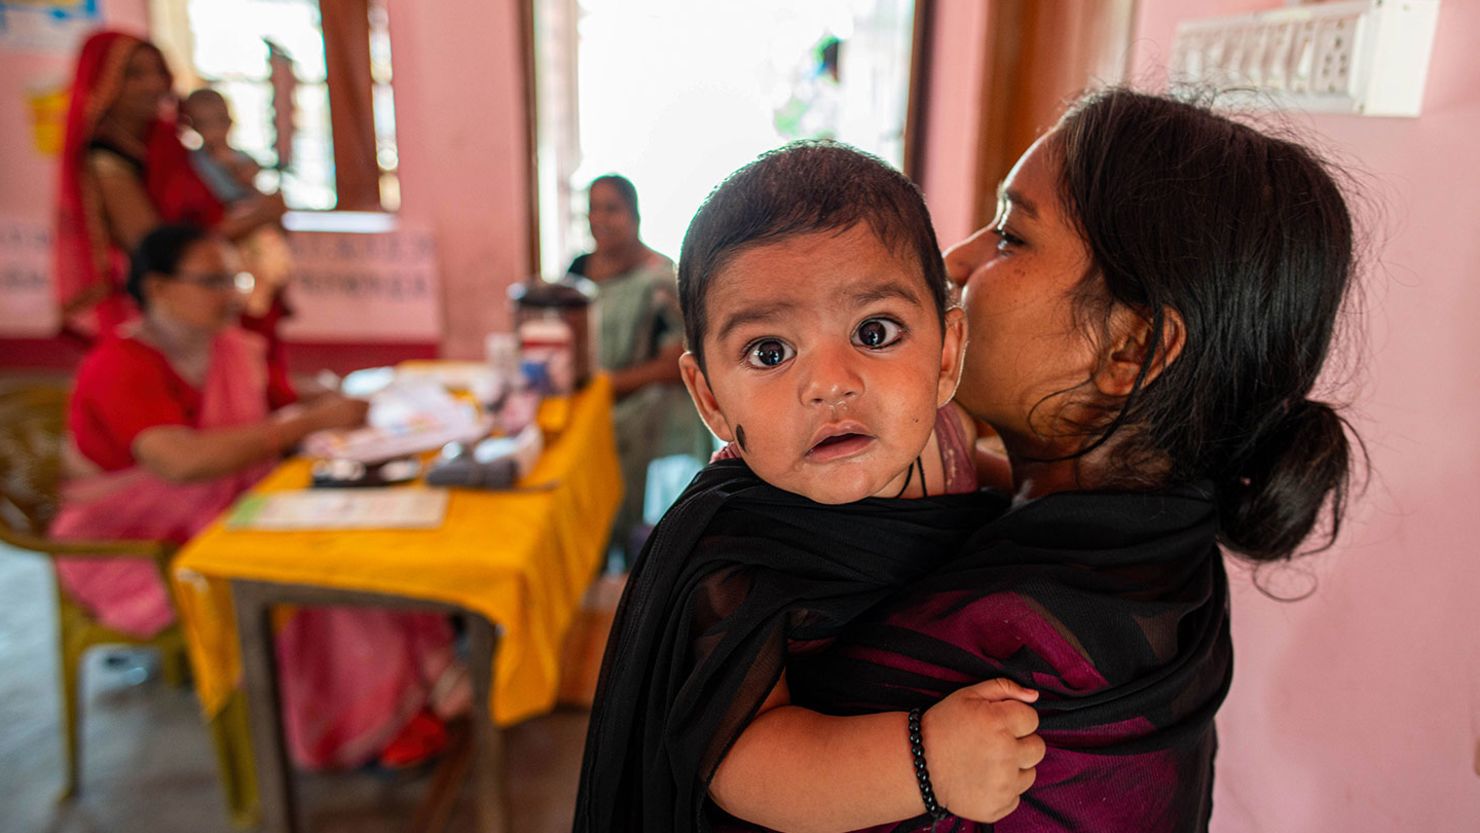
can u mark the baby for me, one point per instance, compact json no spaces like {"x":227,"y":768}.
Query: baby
{"x":822,"y":349}
{"x":228,"y":172}
{"x":231,"y":176}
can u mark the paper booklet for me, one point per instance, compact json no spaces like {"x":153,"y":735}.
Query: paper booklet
{"x":402,"y":508}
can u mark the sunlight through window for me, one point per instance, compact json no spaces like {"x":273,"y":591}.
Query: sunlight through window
{"x":677,"y":95}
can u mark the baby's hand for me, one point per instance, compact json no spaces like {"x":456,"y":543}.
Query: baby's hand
{"x":981,"y":749}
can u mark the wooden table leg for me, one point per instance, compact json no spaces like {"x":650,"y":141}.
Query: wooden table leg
{"x":475,"y":755}
{"x":259,"y":679}
{"x":490,"y":792}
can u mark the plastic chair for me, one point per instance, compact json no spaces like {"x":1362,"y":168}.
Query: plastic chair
{"x":32,"y":431}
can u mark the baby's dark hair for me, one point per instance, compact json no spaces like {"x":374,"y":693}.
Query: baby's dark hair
{"x":802,"y":188}
{"x":204,"y":95}
{"x":1247,"y":237}
{"x":160,"y":253}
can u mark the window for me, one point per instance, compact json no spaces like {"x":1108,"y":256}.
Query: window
{"x":677,"y":95}
{"x":309,"y":84}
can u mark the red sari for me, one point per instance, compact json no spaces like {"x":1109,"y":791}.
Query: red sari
{"x":351,"y":677}
{"x":89,"y":265}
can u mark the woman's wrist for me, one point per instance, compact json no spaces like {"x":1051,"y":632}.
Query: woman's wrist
{"x":276,"y":440}
{"x":287,"y":429}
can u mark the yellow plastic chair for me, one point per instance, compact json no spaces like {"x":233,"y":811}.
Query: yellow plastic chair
{"x":32,"y":431}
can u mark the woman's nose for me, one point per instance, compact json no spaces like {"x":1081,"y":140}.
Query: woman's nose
{"x":833,"y":377}
{"x":963,"y":258}
{"x":159,"y":83}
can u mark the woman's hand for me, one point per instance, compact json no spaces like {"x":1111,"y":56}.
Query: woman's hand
{"x":981,"y":749}
{"x":182,"y":454}
{"x":251,"y":214}
{"x":333,"y":410}
{"x":661,"y":368}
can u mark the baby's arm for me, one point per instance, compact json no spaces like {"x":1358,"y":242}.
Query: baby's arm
{"x":794,"y":769}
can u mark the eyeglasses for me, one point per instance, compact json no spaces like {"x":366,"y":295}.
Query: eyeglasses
{"x":218,"y":281}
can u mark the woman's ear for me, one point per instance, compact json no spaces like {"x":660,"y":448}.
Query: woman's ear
{"x":952,"y":356}
{"x":699,"y":391}
{"x":1133,"y":337}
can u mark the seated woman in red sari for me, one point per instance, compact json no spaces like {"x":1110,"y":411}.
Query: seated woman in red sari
{"x":123,"y":172}
{"x":175,"y":415}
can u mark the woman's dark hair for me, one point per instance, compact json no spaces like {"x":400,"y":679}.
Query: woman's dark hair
{"x":160,"y":253}
{"x":1248,"y":238}
{"x":801,"y":188}
{"x":626,"y":191}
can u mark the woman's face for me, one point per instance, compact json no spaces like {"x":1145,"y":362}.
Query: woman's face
{"x":146,"y":83}
{"x":205,"y":292}
{"x":612,"y":223}
{"x":1024,"y":344}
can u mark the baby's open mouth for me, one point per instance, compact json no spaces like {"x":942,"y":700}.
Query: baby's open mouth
{"x":838,"y":446}
{"x":838,"y":439}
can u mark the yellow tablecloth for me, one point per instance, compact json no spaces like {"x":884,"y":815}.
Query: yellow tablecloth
{"x":521,"y":559}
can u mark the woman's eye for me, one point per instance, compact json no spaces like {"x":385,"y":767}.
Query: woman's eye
{"x":1005,"y":239}
{"x":768,"y":352}
{"x":877,"y":333}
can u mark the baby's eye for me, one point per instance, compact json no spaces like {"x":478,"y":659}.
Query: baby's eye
{"x":877,"y":333}
{"x":768,"y":352}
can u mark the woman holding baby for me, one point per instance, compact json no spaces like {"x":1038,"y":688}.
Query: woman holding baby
{"x":1146,"y":320}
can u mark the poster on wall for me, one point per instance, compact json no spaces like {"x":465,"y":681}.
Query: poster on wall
{"x":29,"y":308}
{"x":46,"y":25}
{"x":364,"y":287}
{"x":344,"y":288}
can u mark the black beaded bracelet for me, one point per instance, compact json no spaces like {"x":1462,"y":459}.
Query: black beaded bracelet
{"x":917,"y":749}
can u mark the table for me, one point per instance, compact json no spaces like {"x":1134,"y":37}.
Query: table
{"x":513,"y":565}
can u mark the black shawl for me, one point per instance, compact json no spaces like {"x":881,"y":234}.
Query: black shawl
{"x":737,"y":575}
{"x":1113,"y":605}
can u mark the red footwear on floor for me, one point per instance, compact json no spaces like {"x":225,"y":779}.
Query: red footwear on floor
{"x":420,"y":740}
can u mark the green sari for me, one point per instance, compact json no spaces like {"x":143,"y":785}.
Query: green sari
{"x":640,"y":316}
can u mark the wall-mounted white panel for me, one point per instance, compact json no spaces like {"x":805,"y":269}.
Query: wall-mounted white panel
{"x":1368,"y":57}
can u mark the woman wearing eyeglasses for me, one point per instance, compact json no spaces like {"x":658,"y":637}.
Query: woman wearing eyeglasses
{"x":173,"y":416}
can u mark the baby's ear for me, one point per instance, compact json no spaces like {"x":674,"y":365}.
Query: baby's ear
{"x":699,"y":391}
{"x":952,"y":356}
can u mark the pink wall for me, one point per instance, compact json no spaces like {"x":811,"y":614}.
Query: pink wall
{"x":464,"y":154}
{"x":1359,"y":708}
{"x":957,"y":48}
{"x":28,"y":177}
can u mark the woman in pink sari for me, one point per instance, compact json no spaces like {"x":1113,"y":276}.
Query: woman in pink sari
{"x":123,"y":172}
{"x":175,"y":415}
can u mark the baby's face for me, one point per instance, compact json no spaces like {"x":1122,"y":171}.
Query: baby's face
{"x":211,"y":119}
{"x":826,"y":364}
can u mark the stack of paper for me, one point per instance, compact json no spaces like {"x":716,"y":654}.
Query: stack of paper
{"x":341,"y":509}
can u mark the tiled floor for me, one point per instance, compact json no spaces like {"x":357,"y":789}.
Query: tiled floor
{"x":148,"y":765}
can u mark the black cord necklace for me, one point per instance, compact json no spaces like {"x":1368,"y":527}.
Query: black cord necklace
{"x":910,"y":476}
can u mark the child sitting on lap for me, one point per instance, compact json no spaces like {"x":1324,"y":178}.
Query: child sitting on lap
{"x":821,"y":348}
